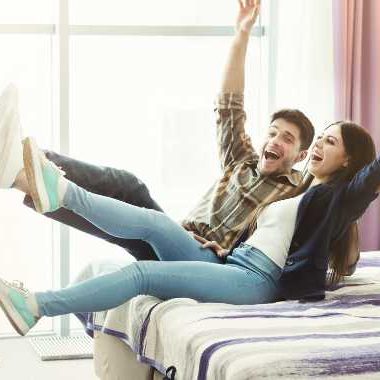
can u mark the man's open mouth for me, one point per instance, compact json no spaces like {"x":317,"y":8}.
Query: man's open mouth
{"x":270,"y":155}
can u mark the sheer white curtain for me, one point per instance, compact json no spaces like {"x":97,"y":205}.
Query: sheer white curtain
{"x":302,"y":49}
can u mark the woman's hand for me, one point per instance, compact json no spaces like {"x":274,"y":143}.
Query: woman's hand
{"x":248,"y":12}
{"x":213,"y":245}
{"x":218,"y":250}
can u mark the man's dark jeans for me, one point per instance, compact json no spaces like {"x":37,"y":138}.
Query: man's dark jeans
{"x":113,"y":183}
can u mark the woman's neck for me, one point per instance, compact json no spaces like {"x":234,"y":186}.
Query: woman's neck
{"x":317,"y":181}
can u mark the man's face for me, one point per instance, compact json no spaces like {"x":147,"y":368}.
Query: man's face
{"x":281,"y":148}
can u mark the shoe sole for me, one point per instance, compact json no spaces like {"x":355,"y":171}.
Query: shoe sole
{"x":34,"y":175}
{"x":12,"y":316}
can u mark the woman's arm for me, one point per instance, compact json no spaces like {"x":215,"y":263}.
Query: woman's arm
{"x":362,"y":189}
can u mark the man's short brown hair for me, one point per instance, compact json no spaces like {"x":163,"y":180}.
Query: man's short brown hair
{"x":299,"y":119}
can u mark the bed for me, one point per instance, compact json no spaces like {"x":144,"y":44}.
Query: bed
{"x":338,"y":337}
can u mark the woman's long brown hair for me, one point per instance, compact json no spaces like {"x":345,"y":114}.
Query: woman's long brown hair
{"x":360,"y":150}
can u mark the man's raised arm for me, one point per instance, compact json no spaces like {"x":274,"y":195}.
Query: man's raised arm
{"x":233,"y":77}
{"x":234,"y":144}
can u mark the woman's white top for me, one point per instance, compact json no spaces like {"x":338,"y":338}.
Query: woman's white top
{"x":275,"y":229}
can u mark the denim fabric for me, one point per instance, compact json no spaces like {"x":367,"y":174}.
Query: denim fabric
{"x":248,"y":276}
{"x":170,"y":241}
{"x":202,"y":281}
{"x":110,"y":182}
{"x":246,"y":256}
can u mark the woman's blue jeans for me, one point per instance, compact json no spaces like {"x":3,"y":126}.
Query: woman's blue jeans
{"x":186,"y":270}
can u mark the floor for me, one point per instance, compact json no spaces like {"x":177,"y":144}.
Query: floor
{"x":18,"y":361}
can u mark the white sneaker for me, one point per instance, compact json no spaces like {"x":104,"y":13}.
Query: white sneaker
{"x":45,"y":179}
{"x":11,"y":161}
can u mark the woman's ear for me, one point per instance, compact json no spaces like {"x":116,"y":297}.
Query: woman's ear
{"x":345,"y":163}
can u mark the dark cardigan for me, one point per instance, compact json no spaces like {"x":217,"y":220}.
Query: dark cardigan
{"x":324,"y":214}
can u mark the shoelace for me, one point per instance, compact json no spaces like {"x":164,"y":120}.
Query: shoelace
{"x":17,"y":285}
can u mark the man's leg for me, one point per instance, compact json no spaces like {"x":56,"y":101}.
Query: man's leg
{"x":110,"y":182}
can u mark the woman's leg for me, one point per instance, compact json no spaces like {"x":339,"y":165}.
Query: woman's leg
{"x":207,"y":282}
{"x":170,"y":241}
{"x":50,"y":191}
{"x":110,"y":182}
{"x":202,"y":281}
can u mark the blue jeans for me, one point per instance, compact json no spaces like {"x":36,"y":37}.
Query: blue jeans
{"x":187,"y":270}
{"x":110,"y":182}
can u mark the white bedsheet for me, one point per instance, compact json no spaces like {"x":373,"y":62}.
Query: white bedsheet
{"x":336,"y":337}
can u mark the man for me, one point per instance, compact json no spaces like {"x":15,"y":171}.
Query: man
{"x":226,"y":214}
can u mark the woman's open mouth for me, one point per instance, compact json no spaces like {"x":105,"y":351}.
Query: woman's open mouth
{"x":316,"y":157}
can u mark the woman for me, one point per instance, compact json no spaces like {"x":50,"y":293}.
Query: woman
{"x":344,"y":181}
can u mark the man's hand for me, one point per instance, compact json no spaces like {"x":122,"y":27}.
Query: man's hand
{"x":248,"y":12}
{"x":213,"y":245}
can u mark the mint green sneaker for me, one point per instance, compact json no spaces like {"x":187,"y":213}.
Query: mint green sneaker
{"x":13,"y":302}
{"x":44,"y":178}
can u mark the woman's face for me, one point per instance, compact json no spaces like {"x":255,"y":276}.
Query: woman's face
{"x":328,"y":154}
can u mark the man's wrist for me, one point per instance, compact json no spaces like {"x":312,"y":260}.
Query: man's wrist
{"x":243,"y":32}
{"x":241,"y":38}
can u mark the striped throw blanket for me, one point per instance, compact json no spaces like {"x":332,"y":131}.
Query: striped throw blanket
{"x":338,"y":337}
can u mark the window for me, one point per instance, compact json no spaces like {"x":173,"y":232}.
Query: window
{"x":141,"y":78}
{"x":16,"y":12}
{"x":151,"y":12}
{"x":150,"y":78}
{"x":302,"y":71}
{"x":115,"y":85}
{"x":26,"y":239}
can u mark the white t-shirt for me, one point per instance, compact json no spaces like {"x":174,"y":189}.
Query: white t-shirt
{"x":275,"y":229}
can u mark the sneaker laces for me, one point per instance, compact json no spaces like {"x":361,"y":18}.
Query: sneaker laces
{"x":15,"y":284}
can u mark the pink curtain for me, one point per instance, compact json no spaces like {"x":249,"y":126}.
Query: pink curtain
{"x":356,"y":26}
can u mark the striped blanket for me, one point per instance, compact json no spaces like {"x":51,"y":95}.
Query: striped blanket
{"x":338,"y":337}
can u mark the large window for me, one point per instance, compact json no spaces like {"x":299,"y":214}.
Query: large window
{"x":141,"y":97}
{"x":115,"y":83}
{"x":131,"y":85}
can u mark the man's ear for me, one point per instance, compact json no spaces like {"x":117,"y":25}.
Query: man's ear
{"x":301,"y":155}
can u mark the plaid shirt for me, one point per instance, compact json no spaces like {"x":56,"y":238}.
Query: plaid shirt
{"x":226,"y":211}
